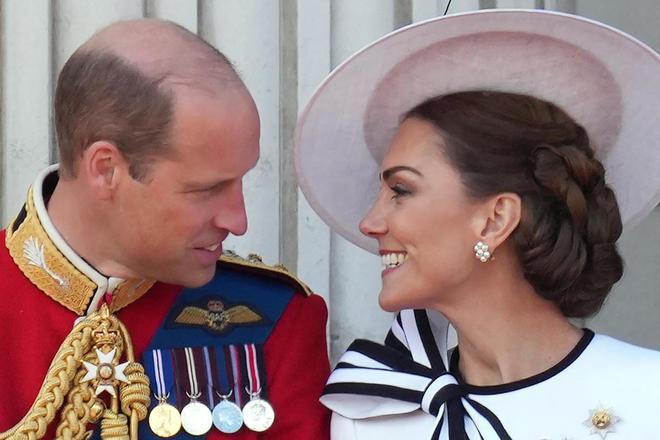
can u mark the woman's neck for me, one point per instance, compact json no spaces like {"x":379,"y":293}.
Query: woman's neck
{"x":509,"y":332}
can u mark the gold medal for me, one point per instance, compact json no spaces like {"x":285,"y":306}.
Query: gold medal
{"x":164,"y":420}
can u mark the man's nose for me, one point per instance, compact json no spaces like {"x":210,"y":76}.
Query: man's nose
{"x":231,"y":214}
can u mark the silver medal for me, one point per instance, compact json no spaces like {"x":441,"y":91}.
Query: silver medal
{"x":196,"y":418}
{"x":258,"y":415}
{"x":227,"y":417}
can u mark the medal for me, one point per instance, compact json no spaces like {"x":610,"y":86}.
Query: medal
{"x":164,"y":419}
{"x":258,"y":414}
{"x":227,"y":416}
{"x":196,"y":417}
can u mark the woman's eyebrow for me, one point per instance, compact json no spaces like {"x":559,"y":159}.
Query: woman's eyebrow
{"x":388,"y":172}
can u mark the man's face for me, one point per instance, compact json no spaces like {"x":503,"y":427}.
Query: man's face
{"x":170,"y":226}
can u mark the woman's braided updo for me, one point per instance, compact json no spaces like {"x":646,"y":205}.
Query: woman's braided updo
{"x":504,"y":142}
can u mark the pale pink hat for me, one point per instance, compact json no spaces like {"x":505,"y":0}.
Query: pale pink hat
{"x":605,"y":79}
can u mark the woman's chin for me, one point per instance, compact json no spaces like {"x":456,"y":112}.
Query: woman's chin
{"x":390,"y":303}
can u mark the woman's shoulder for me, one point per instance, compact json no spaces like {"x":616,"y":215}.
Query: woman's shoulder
{"x":618,"y":353}
{"x":612,"y":360}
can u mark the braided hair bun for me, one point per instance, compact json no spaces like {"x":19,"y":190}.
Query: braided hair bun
{"x":570,"y":222}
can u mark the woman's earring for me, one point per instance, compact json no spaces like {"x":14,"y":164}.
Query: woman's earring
{"x":481,"y":251}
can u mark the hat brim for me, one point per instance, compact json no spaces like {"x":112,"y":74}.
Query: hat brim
{"x":608,"y":81}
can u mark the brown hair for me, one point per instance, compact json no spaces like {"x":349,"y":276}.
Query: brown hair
{"x":101,"y":97}
{"x":504,"y":142}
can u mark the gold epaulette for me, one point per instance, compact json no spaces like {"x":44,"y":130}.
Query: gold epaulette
{"x":255,"y":264}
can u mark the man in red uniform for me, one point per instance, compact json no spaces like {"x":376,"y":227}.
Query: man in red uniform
{"x":114,"y":262}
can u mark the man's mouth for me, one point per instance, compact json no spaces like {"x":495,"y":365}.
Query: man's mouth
{"x":213,"y":247}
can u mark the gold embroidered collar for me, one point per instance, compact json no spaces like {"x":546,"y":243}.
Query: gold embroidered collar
{"x":49,"y":262}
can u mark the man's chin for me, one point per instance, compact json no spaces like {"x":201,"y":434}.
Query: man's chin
{"x":193,"y":279}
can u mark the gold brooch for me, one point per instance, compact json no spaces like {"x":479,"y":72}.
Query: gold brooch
{"x":602,"y":421}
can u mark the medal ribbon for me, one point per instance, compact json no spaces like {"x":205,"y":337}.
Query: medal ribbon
{"x":209,"y":376}
{"x":252,"y":365}
{"x":159,"y":368}
{"x":409,"y":373}
{"x":222,"y":371}
{"x":192,"y":372}
{"x":235,"y":364}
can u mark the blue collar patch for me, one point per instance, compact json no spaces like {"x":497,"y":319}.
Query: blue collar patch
{"x":236,"y":307}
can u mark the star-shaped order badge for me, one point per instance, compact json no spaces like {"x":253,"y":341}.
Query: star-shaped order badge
{"x":105,"y":372}
{"x":602,"y":421}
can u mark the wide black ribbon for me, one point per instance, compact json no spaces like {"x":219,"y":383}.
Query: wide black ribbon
{"x":409,"y":373}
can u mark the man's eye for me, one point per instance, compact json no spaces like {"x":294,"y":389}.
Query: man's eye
{"x":208,"y":189}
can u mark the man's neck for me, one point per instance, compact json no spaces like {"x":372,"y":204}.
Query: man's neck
{"x":79,"y":225}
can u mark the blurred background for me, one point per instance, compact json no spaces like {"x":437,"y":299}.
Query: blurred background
{"x":283,"y":49}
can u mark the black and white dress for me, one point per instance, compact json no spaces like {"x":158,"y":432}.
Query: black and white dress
{"x":603,"y":389}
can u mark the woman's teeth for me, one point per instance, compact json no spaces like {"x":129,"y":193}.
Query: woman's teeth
{"x":393,"y":259}
{"x":213,"y":247}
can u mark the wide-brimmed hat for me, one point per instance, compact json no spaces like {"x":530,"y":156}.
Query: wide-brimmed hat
{"x":608,"y":81}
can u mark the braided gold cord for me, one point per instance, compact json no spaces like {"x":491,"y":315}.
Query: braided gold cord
{"x":135,"y":395}
{"x":140,"y":396}
{"x":64,"y":379}
{"x":114,"y":426}
{"x":56,"y":385}
{"x":76,"y":413}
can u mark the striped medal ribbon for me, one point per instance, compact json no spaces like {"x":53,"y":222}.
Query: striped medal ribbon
{"x":227,"y":415}
{"x":258,"y":414}
{"x":196,"y":417}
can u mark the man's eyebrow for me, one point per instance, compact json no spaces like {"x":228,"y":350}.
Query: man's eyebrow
{"x":197,"y":186}
{"x":388,"y":172}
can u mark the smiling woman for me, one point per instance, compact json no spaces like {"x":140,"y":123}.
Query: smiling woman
{"x":501,"y":138}
{"x":415,"y":178}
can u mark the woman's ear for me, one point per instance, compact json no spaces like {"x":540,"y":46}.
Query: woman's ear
{"x":500,"y":217}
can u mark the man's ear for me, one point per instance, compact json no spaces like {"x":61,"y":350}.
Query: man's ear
{"x":499,"y":218}
{"x":102,"y":165}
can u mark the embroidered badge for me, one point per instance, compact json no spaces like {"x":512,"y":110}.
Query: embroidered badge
{"x":602,"y":421}
{"x":217,"y":317}
{"x":34,"y":252}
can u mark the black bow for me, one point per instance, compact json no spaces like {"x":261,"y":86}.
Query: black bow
{"x":408,"y":373}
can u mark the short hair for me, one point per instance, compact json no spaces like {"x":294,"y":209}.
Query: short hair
{"x":506,"y":142}
{"x":101,"y":95}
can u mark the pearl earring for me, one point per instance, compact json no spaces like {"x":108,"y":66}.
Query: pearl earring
{"x":481,"y":251}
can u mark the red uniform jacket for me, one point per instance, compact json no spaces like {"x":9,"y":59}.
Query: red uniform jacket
{"x":32,"y":327}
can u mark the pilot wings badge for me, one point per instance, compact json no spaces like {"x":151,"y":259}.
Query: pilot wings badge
{"x":216,"y":317}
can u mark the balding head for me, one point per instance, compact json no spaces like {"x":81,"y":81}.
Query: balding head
{"x":120,"y":86}
{"x":162,"y":49}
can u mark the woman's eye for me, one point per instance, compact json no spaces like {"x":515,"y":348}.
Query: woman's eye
{"x":399,"y":191}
